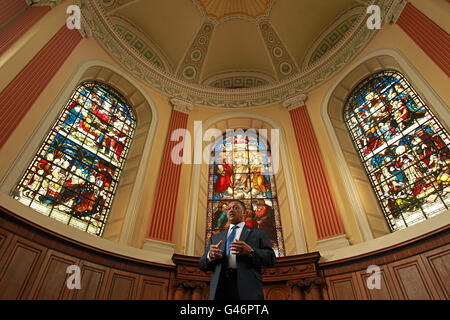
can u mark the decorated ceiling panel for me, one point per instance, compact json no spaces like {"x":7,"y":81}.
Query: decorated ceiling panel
{"x":204,"y":50}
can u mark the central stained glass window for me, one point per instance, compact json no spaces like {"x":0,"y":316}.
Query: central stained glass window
{"x":75,"y":173}
{"x":403,"y":146}
{"x":242,"y":170}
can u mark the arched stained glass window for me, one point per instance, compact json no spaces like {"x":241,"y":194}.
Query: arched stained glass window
{"x":404,"y":148}
{"x":75,"y":173}
{"x":242,"y":170}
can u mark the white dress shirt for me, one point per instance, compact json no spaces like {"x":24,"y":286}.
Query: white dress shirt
{"x":232,"y":256}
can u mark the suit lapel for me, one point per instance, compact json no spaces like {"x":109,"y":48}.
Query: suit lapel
{"x":245,"y":233}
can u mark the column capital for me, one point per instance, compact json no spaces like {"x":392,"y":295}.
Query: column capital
{"x":295,"y":102}
{"x":181,"y":105}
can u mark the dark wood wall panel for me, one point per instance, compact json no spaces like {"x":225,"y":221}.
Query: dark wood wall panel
{"x":52,"y":279}
{"x":437,"y":262}
{"x":415,"y":270}
{"x":34,"y":261}
{"x":387,"y":290}
{"x":93,"y":282}
{"x":121,"y":285}
{"x":343,"y":287}
{"x":5,"y":238}
{"x":412,"y":280}
{"x":21,"y":261}
{"x":151,"y":288}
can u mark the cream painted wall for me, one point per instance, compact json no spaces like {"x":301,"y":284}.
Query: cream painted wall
{"x":391,"y":36}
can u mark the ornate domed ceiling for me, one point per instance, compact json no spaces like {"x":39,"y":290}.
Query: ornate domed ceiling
{"x":231,"y":53}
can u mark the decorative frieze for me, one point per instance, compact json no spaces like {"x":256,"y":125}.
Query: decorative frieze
{"x":301,"y":82}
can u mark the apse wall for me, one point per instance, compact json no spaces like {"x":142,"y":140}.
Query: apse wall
{"x":301,"y":233}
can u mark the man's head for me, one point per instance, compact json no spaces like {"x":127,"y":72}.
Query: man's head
{"x":235,"y":211}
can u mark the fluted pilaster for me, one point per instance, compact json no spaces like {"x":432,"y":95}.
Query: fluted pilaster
{"x":15,"y":20}
{"x":326,"y":216}
{"x":20,"y":94}
{"x":165,"y":202}
{"x":431,"y":38}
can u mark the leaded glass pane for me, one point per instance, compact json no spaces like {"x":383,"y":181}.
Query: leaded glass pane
{"x":242,"y":170}
{"x":404,"y":148}
{"x":75,"y":173}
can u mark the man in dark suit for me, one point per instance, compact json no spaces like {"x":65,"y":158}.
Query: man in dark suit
{"x":235,"y":257}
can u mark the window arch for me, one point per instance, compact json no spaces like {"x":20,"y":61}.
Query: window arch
{"x":75,"y":173}
{"x":242,"y":169}
{"x":403,"y":147}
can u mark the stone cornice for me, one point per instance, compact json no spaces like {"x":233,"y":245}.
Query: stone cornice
{"x":352,"y":43}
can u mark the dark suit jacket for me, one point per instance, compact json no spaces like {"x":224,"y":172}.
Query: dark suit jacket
{"x":249,"y":275}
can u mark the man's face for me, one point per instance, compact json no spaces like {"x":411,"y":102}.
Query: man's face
{"x":235,"y":212}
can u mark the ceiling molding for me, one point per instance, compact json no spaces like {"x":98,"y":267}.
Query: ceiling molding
{"x":112,"y":6}
{"x":221,"y":11}
{"x":191,"y":65}
{"x":238,"y":79}
{"x":352,"y":43}
{"x":142,"y":43}
{"x":331,"y":35}
{"x":282,"y":62}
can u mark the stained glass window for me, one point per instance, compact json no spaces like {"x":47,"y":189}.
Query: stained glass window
{"x":75,"y":173}
{"x":242,"y":170}
{"x":403,"y":146}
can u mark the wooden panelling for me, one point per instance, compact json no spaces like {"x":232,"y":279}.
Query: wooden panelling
{"x":121,"y":285}
{"x":5,"y":239}
{"x":22,"y":258}
{"x":386,"y":290}
{"x":343,"y":287}
{"x":52,"y":280}
{"x":33,"y":264}
{"x":93,"y":281}
{"x":437,"y":262}
{"x":411,"y":280}
{"x":151,"y":288}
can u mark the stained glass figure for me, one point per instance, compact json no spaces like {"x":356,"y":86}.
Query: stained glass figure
{"x":75,"y":173}
{"x":403,"y":146}
{"x":241,"y":169}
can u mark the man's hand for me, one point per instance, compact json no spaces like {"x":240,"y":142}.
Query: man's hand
{"x":214,"y":251}
{"x":240,"y":247}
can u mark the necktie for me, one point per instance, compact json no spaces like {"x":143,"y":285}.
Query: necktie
{"x":231,"y":238}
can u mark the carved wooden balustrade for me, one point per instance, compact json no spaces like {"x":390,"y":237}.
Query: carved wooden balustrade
{"x":292,"y":278}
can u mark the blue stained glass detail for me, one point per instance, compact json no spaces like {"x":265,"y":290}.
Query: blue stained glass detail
{"x":75,"y":173}
{"x":403,"y":147}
